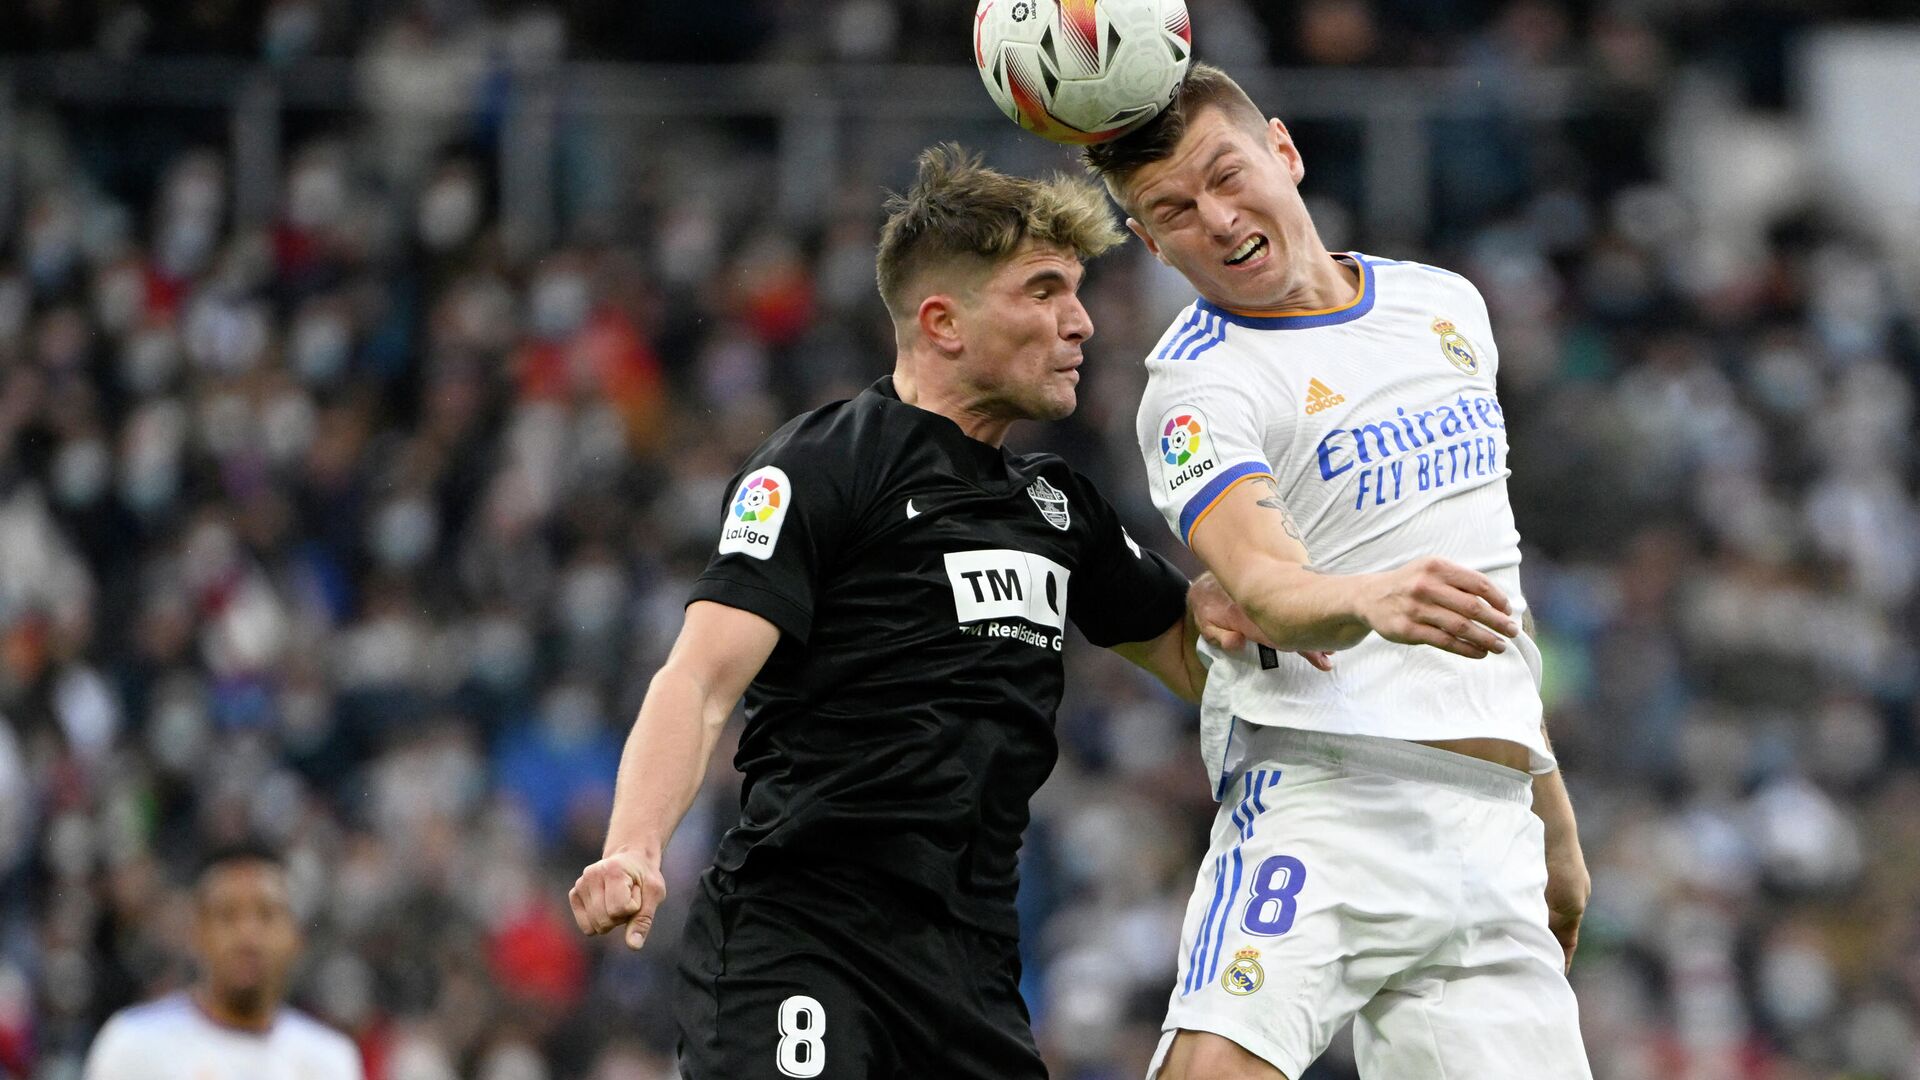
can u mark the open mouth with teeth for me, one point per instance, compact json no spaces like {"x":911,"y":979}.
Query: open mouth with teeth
{"x":1249,"y":248}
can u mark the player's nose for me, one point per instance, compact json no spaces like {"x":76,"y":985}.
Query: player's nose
{"x":1218,"y":216}
{"x":1076,"y":323}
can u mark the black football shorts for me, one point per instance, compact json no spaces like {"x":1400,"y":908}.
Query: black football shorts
{"x":815,"y":971}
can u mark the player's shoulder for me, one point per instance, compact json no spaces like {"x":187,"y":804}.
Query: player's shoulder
{"x":1382,"y":264}
{"x":872,"y":426}
{"x":1054,"y":471}
{"x":161,"y":1014}
{"x":1199,"y":329}
{"x":323,"y":1040}
{"x":1402,"y":275}
{"x":127,"y":1044}
{"x":835,"y":424}
{"x":1203,"y":362}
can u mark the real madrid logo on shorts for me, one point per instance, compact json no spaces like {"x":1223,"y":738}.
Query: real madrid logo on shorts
{"x":1051,"y":501}
{"x":1244,"y":975}
{"x":1456,"y":348}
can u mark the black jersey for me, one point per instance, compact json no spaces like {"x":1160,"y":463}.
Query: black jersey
{"x":922,"y":582}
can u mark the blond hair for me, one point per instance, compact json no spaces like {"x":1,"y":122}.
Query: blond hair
{"x":961,"y":215}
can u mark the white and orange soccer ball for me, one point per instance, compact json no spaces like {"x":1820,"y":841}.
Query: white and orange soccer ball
{"x":1082,"y":71}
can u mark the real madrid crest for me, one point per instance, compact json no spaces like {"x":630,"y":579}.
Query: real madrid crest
{"x":1244,"y":975}
{"x":1051,"y":501}
{"x":1456,"y":348}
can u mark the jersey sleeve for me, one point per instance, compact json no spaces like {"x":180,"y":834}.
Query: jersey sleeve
{"x":347,"y":1064}
{"x":117,"y":1055}
{"x":784,"y":516}
{"x":1199,"y":437}
{"x":1129,"y":593}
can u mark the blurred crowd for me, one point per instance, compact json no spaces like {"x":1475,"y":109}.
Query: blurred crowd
{"x":362,"y":529}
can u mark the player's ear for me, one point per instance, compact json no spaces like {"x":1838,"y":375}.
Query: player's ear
{"x":1139,"y":230}
{"x":939,"y":321}
{"x":1281,"y":142}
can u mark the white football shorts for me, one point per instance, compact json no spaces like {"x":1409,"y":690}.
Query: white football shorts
{"x":1394,"y":884}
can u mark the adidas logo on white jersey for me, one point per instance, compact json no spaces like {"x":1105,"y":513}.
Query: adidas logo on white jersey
{"x":1320,"y":397}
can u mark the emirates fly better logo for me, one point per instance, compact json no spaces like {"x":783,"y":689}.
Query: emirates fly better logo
{"x":758,"y":510}
{"x":1180,"y":439}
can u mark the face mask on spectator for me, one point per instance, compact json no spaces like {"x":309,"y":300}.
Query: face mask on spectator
{"x":150,"y":459}
{"x":559,"y":304}
{"x":105,"y":233}
{"x":186,"y":240}
{"x":14,"y":302}
{"x":591,"y":597}
{"x":290,"y":31}
{"x":502,"y":652}
{"x":148,"y":361}
{"x":177,"y":732}
{"x":570,"y":714}
{"x":53,"y":245}
{"x":322,"y":343}
{"x":118,"y":294}
{"x":448,"y":212}
{"x":81,"y":469}
{"x":316,"y":195}
{"x":1796,"y":983}
{"x":404,"y":532}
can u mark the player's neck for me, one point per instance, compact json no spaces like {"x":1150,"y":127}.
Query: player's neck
{"x":1318,"y":281}
{"x":224,"y":1014}
{"x":974,"y":423}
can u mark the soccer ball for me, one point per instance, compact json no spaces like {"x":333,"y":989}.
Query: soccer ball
{"x":1082,"y":71}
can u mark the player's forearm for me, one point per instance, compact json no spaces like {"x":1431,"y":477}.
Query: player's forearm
{"x":1298,"y":608}
{"x":1172,"y":658}
{"x":665,"y":761}
{"x":1555,"y":809}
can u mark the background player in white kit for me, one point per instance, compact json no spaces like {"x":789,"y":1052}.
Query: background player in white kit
{"x":1322,"y":430}
{"x":233,"y":1024}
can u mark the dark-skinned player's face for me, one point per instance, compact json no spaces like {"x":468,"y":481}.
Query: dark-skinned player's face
{"x":245,"y":933}
{"x":1024,"y":325}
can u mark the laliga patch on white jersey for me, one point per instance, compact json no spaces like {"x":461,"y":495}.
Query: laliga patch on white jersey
{"x":758,"y":510}
{"x":1000,"y":583}
{"x":1187,"y":453}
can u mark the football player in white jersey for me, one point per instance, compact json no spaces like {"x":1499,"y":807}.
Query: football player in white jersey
{"x":1394,"y":844}
{"x":233,"y":1024}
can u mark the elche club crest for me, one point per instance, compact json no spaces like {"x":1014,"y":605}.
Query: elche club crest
{"x":1052,"y":503}
{"x":1455,"y":347}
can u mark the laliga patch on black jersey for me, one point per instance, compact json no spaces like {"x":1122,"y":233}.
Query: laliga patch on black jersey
{"x":758,"y":509}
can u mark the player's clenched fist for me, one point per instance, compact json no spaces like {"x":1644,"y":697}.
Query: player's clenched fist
{"x":621,"y":889}
{"x":1432,"y":601}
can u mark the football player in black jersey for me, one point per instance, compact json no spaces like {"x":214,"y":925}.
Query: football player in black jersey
{"x":890,"y":592}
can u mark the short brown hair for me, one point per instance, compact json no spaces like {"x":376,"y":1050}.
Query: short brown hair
{"x":959,"y":210}
{"x":1205,"y":87}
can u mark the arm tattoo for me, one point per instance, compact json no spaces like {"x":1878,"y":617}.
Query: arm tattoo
{"x":1271,"y":500}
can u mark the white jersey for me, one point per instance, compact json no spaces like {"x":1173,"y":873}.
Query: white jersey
{"x":1379,"y":423}
{"x":172,"y":1039}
